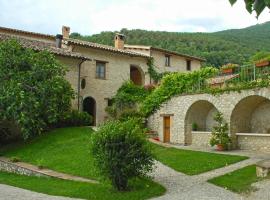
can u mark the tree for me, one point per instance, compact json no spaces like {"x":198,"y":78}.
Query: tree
{"x":33,"y":90}
{"x":257,"y":5}
{"x":121,"y":152}
{"x":220,"y":135}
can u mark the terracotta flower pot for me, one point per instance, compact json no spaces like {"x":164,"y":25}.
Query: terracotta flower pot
{"x":227,"y":71}
{"x":263,"y":64}
{"x":220,"y":147}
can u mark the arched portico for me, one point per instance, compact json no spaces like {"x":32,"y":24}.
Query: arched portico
{"x":200,"y":114}
{"x":251,"y":115}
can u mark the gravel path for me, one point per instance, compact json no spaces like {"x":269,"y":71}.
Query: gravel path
{"x":13,"y":193}
{"x":182,"y":187}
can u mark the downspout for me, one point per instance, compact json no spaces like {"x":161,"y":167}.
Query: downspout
{"x":79,"y":82}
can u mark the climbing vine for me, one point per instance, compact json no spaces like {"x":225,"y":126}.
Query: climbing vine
{"x":174,"y":84}
{"x":152,"y":72}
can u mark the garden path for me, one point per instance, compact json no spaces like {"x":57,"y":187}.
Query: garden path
{"x":14,"y":193}
{"x":183,"y":187}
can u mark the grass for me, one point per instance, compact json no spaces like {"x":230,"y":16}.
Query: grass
{"x":239,"y":181}
{"x":140,"y":188}
{"x":64,"y":150}
{"x":67,"y":150}
{"x":193,"y":162}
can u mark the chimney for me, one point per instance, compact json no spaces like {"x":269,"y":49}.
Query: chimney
{"x":65,"y":31}
{"x":119,"y":41}
{"x":58,"y":40}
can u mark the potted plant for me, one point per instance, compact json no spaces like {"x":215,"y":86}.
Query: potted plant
{"x":220,"y":136}
{"x":263,"y":62}
{"x":194,"y":126}
{"x":228,"y":68}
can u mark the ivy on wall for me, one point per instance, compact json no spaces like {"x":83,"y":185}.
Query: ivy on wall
{"x":174,"y":84}
{"x":152,"y":72}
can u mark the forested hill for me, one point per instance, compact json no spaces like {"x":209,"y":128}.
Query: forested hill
{"x":235,"y":45}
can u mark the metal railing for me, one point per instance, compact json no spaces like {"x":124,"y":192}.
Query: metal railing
{"x":239,"y":75}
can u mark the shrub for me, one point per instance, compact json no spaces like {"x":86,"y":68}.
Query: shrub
{"x":9,"y":131}
{"x":121,"y":152}
{"x":75,"y":118}
{"x":127,"y":98}
{"x":34,"y":91}
{"x":194,"y":126}
{"x":220,"y":134}
{"x":129,"y":94}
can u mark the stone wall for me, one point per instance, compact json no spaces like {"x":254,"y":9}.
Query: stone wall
{"x":117,"y":72}
{"x":230,"y":104}
{"x":178,"y":63}
{"x":13,"y":168}
{"x":201,"y":138}
{"x":254,"y":142}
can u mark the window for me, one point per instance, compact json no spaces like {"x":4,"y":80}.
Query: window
{"x":100,"y":70}
{"x":83,"y":83}
{"x":188,"y":65}
{"x":167,"y":60}
{"x":110,"y":102}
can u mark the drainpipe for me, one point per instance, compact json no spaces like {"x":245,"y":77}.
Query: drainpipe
{"x":79,"y":82}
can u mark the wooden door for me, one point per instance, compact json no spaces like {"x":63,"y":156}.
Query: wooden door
{"x":167,"y":128}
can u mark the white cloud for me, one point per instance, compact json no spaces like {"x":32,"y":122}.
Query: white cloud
{"x":93,"y":16}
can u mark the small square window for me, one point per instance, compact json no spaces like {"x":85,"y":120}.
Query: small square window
{"x":110,"y":102}
{"x":167,"y":60}
{"x":188,"y":65}
{"x":100,"y":70}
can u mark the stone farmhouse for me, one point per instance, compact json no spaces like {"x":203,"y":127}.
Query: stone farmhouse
{"x":96,"y":71}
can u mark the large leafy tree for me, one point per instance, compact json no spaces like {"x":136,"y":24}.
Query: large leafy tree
{"x":33,"y":90}
{"x":255,"y":5}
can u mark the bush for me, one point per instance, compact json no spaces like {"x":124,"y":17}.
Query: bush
{"x":129,"y":94}
{"x":121,"y":152}
{"x":9,"y":132}
{"x":75,"y":118}
{"x":220,"y":134}
{"x":127,"y":98}
{"x":34,"y":91}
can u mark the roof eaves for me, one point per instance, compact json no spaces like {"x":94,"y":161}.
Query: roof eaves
{"x":179,"y":54}
{"x":105,"y":48}
{"x":27,"y":32}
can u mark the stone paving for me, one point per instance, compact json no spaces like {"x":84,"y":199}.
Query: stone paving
{"x":13,"y":193}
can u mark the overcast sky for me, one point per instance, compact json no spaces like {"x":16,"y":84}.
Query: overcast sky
{"x":93,"y":16}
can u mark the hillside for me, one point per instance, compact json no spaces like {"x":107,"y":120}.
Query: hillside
{"x":235,"y":45}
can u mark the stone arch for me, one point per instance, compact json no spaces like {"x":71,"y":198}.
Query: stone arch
{"x":89,"y":106}
{"x":251,"y":115}
{"x":200,"y":112}
{"x":137,"y":75}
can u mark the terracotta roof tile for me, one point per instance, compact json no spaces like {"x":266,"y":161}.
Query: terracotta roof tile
{"x":104,"y":47}
{"x":41,"y":46}
{"x":127,"y":46}
{"x":222,"y":79}
{"x":11,"y":30}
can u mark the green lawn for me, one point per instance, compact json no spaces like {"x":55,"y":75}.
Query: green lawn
{"x":140,"y":188}
{"x":238,"y":181}
{"x":67,"y":150}
{"x":193,"y":162}
{"x":64,"y":150}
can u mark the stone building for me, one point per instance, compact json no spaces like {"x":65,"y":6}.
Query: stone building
{"x":247,"y":113}
{"x":96,"y":71}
